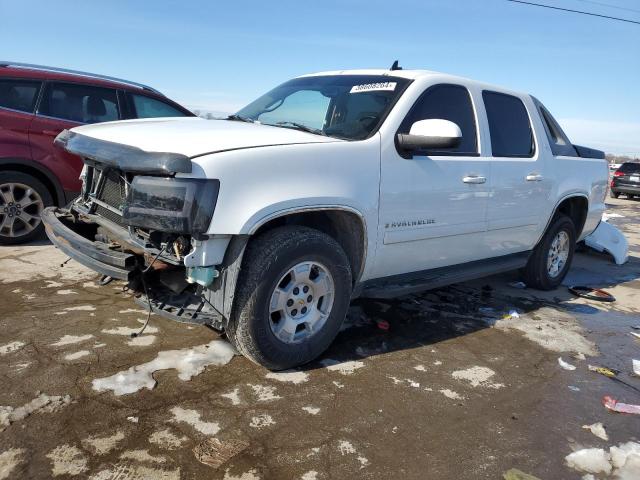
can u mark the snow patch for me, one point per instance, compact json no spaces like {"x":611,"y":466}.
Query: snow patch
{"x":420,"y":368}
{"x":11,"y":347}
{"x":192,"y":417}
{"x":77,"y":355}
{"x":189,"y":362}
{"x":264,"y":393}
{"x":102,"y":445}
{"x":598,"y":430}
{"x":261,"y":421}
{"x":133,"y":310}
{"x":310,"y":475}
{"x":142,"y":341}
{"x":127,"y":331}
{"x":622,"y":462}
{"x":552,"y":329}
{"x":451,"y":394}
{"x":234,"y":396}
{"x":345,"y":368}
{"x":477,"y":376}
{"x":124,"y":470}
{"x":292,"y":376}
{"x":311,"y":410}
{"x":43,"y":403}
{"x":590,"y":460}
{"x":66,"y":292}
{"x":142,"y":456}
{"x":250,"y":475}
{"x":67,"y":460}
{"x":167,"y":440}
{"x":81,"y":308}
{"x":71,"y":339}
{"x":9,"y":460}
{"x":346,"y":448}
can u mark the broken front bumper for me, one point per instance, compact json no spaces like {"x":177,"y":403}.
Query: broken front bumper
{"x":66,"y":233}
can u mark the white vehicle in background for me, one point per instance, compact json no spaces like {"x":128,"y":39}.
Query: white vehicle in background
{"x":614,"y":166}
{"x":372,"y":183}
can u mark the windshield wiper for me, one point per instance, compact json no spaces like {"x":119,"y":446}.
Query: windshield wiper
{"x":302,"y":127}
{"x":239,"y":118}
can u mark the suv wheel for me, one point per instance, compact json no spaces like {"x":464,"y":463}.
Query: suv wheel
{"x":614,"y":194}
{"x":551,"y":259}
{"x":292,"y":295}
{"x":22,"y":199}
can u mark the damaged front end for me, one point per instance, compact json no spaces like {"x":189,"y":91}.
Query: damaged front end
{"x":135,"y":220}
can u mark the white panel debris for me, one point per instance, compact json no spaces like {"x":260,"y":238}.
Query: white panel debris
{"x":189,"y":362}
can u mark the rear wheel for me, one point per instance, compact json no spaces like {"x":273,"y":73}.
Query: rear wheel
{"x":22,"y":199}
{"x":291,"y":298}
{"x":551,"y":259}
{"x":613,"y":194}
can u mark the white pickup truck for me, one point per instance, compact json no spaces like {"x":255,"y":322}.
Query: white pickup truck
{"x":371,"y":183}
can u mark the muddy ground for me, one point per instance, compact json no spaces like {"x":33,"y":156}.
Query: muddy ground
{"x":452,"y":390}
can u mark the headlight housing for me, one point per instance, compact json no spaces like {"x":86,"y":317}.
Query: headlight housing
{"x":176,"y":205}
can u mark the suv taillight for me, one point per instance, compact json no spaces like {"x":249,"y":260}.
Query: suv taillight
{"x":618,"y":173}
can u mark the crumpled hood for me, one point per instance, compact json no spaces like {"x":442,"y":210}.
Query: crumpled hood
{"x":193,"y":136}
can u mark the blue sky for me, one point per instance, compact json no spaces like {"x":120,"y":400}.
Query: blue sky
{"x":220,"y":55}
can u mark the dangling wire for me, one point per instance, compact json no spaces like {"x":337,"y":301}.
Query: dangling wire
{"x":146,"y":292}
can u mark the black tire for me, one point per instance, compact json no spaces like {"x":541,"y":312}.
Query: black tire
{"x":613,"y":194}
{"x":21,"y":232}
{"x":267,"y":258}
{"x":536,"y":273}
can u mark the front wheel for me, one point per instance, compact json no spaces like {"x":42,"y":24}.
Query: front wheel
{"x":22,"y":199}
{"x":291,"y":298}
{"x":551,"y":259}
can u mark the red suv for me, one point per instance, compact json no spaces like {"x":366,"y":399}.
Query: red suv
{"x":37,"y":103}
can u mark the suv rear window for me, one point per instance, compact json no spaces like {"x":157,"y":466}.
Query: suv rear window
{"x":79,"y":103}
{"x":147,"y":107}
{"x":629,"y":167}
{"x":19,"y":94}
{"x":511,"y":134}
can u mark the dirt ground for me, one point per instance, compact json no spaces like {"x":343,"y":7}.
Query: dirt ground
{"x":464,"y":384}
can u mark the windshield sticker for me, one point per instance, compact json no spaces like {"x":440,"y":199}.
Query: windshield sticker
{"x":374,"y":87}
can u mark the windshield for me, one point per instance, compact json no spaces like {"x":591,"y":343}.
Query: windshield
{"x":344,"y":106}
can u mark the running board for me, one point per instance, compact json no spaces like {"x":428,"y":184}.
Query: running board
{"x":404,"y":284}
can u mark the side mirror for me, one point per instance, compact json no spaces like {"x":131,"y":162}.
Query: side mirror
{"x":430,"y":135}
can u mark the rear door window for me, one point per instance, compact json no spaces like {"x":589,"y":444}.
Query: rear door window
{"x":147,"y":107}
{"x":447,"y":102}
{"x":79,"y":103}
{"x":509,"y":126}
{"x":19,"y":94}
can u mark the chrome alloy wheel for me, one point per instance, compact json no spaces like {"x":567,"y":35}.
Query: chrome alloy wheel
{"x":301,"y":302}
{"x":558,"y":254}
{"x":20,"y":209}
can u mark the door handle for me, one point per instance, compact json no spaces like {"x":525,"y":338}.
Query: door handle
{"x":534,"y":177}
{"x":474,"y":179}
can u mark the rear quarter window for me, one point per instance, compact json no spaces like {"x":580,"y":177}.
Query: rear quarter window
{"x":19,"y":95}
{"x":509,"y":125}
{"x":147,"y":107}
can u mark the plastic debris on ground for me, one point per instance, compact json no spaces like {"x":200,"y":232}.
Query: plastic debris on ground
{"x":215,"y":452}
{"x":634,"y":334}
{"x":621,"y":462}
{"x":511,"y":314}
{"x":614,"y":405}
{"x":565,"y":365}
{"x":515,"y":474}
{"x":573,"y":388}
{"x":598,"y":430}
{"x":518,"y":285}
{"x":607,"y":372}
{"x":592,"y":293}
{"x":636,"y":367}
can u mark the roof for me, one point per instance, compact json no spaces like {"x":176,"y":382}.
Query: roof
{"x":56,"y":73}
